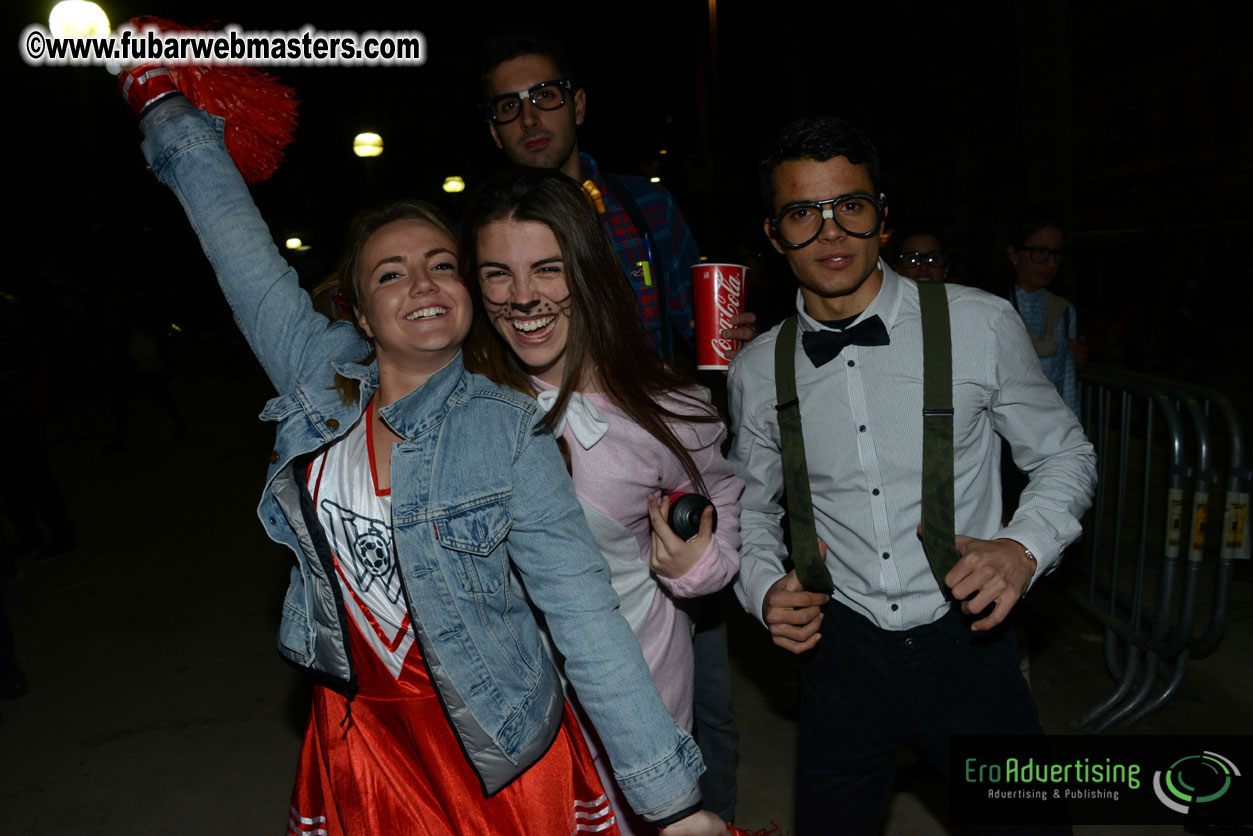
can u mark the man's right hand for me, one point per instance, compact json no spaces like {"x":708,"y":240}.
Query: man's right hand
{"x":792,"y":614}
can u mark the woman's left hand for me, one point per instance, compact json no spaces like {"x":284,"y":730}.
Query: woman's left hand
{"x":673,"y":557}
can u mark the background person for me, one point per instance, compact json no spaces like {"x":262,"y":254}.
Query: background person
{"x":920,"y":256}
{"x":1035,"y":252}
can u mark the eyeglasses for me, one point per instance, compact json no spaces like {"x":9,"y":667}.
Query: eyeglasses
{"x":1039,"y":255}
{"x":547,"y":95}
{"x":916,"y":259}
{"x":858,"y":214}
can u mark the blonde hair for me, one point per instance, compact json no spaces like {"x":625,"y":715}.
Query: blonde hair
{"x":347,"y":279}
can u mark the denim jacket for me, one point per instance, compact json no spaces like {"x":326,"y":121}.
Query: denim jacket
{"x":485,"y":520}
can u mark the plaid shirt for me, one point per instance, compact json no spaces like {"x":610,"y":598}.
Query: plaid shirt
{"x":676,"y":252}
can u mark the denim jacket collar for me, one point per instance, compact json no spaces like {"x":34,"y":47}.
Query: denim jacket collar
{"x":421,"y":409}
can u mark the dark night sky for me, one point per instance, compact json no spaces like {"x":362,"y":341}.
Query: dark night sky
{"x":1132,"y":118}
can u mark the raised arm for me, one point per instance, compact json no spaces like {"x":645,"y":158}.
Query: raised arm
{"x":185,"y":151}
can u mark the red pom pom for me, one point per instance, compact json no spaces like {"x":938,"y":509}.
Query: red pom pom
{"x":260,"y":111}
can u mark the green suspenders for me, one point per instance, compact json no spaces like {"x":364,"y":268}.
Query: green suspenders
{"x":937,"y":446}
{"x":810,"y":570}
{"x":938,"y":525}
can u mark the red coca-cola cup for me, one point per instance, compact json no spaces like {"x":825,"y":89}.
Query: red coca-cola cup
{"x":718,"y":293}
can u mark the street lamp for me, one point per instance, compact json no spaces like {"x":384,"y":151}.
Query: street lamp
{"x":454,"y":184}
{"x":78,"y":19}
{"x":367,"y":144}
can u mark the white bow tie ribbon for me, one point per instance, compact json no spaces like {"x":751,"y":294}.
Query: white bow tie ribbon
{"x":586,"y":423}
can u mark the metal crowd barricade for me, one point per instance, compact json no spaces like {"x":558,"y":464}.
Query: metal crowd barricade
{"x":1160,"y":478}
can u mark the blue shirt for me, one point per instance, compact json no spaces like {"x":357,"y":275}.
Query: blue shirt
{"x":1059,"y":368}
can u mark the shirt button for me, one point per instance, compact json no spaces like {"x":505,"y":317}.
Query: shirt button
{"x":274,"y":457}
{"x":886,"y":555}
{"x":862,"y":428}
{"x":332,"y":423}
{"x":895,"y":607}
{"x":851,"y":363}
{"x":909,"y":643}
{"x":875,"y":492}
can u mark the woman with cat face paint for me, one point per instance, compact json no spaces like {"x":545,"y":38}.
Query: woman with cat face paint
{"x":635,"y":432}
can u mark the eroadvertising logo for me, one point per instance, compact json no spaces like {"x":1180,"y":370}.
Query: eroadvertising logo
{"x":1089,"y":779}
{"x":1194,"y":779}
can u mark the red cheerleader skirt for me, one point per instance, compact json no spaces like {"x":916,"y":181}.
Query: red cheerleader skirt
{"x":394,"y":766}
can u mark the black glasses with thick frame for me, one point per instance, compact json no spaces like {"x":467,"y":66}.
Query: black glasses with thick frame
{"x":851,"y":207}
{"x":547,"y":95}
{"x":1039,"y":255}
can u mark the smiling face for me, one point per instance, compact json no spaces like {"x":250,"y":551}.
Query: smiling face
{"x":537,"y":138}
{"x":838,"y":273}
{"x":413,"y":303}
{"x":1033,"y":275}
{"x":522,"y":274}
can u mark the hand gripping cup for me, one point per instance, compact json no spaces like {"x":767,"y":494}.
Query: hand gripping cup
{"x":718,"y":291}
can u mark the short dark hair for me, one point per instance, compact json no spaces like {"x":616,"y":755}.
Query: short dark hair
{"x":818,"y":138}
{"x":1025,"y":220}
{"x":506,"y":47}
{"x":902,"y":233}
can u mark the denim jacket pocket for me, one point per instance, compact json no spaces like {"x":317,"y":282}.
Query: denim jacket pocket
{"x":475,"y":536}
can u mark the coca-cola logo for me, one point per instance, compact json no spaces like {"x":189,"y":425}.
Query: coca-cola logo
{"x":723,"y":348}
{"x":727,"y":297}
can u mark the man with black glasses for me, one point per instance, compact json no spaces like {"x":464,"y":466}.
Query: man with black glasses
{"x":920,"y":256}
{"x":877,"y":409}
{"x":533,"y":109}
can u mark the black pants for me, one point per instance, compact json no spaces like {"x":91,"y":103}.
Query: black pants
{"x":867,"y":692}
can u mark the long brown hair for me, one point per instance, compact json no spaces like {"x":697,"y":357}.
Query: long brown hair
{"x":606,"y":334}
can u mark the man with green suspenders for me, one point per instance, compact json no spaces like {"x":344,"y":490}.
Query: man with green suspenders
{"x":873,"y":416}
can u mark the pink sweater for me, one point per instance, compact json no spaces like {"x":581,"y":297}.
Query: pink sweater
{"x":613,"y":480}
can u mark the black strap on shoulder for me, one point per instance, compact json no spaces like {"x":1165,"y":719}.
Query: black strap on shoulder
{"x":810,"y":568}
{"x":623,"y":195}
{"x":938,"y":516}
{"x":938,"y":525}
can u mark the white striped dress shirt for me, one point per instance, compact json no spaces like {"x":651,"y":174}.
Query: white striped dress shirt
{"x":862,"y":416}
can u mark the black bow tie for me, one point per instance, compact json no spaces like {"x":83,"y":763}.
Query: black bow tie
{"x":824,"y":346}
